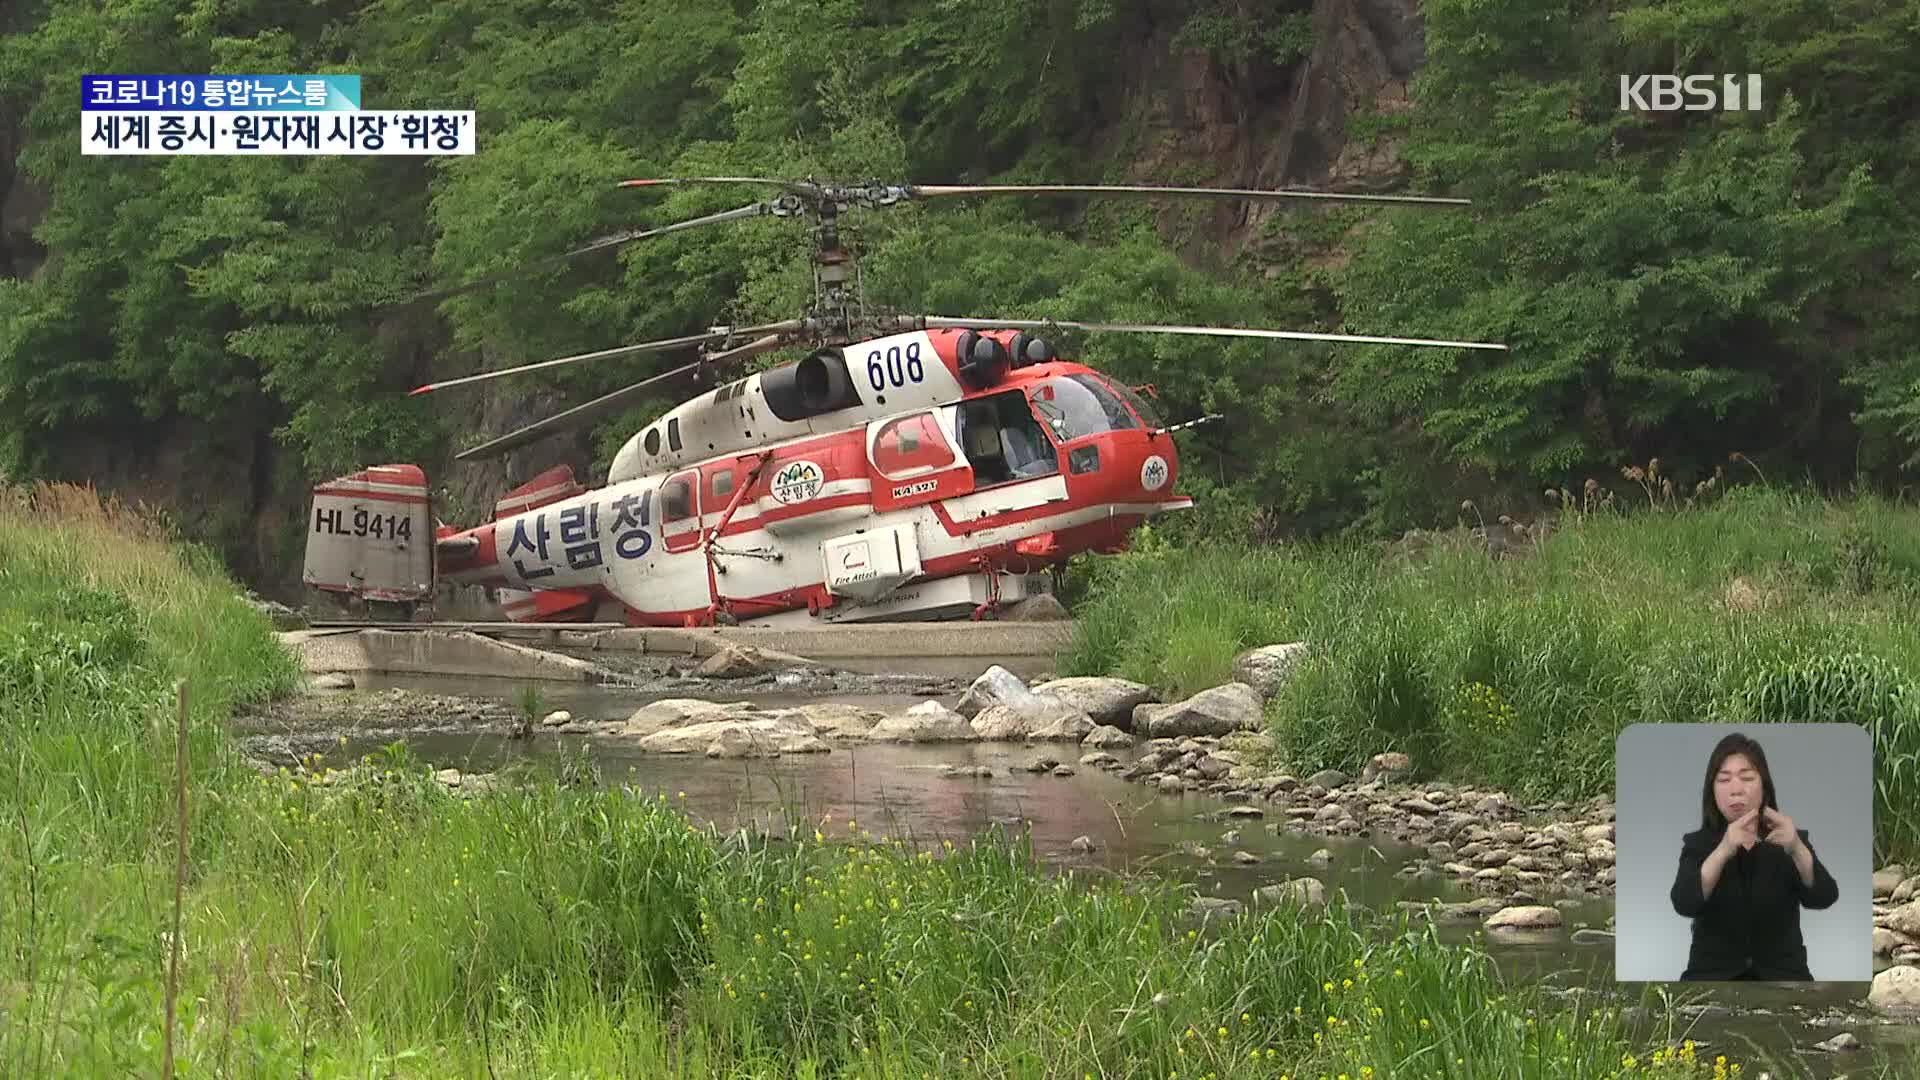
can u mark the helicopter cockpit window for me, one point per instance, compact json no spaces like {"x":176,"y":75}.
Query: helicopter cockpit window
{"x":911,"y":446}
{"x":1076,"y":405}
{"x":1004,"y":442}
{"x":1149,"y":415}
{"x":676,"y":500}
{"x":673,"y":434}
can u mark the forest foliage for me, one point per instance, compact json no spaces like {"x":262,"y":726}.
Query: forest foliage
{"x":1680,"y":284}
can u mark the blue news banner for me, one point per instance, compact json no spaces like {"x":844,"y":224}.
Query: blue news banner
{"x":257,"y":114}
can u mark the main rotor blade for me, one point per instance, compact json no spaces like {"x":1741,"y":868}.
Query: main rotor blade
{"x":756,"y":210}
{"x":938,"y":321}
{"x":936,"y":190}
{"x":607,"y":403}
{"x":579,"y":414}
{"x":716,"y":334}
{"x":795,"y":186}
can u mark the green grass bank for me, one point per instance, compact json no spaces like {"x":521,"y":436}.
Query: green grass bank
{"x":379,"y":926}
{"x":1762,"y":606}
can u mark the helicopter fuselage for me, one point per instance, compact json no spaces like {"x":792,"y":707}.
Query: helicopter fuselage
{"x":839,"y":484}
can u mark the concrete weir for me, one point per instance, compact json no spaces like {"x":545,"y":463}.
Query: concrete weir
{"x":966,"y":648}
{"x":879,"y":648}
{"x":430,"y":652}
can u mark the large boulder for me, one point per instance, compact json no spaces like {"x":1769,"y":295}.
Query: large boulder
{"x":1035,"y":716}
{"x":1905,"y":919}
{"x":736,"y":662}
{"x":1886,"y":879}
{"x":928,"y":721}
{"x":1389,"y":767}
{"x":836,"y":720}
{"x":1525,"y":917}
{"x":1266,"y":668}
{"x":1896,"y":989}
{"x":669,"y":713}
{"x":995,"y":686}
{"x":1219,"y":711}
{"x":1107,"y":700}
{"x":763,"y":736}
{"x":1304,"y":892}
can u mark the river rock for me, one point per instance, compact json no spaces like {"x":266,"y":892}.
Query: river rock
{"x":1908,"y":890}
{"x":1107,"y":700}
{"x":1839,"y":1044}
{"x":1302,"y":891}
{"x":669,"y":713}
{"x":836,"y":720}
{"x":997,"y":723}
{"x":1266,"y":669}
{"x":735,"y":661}
{"x":1083,"y":845}
{"x":1062,"y":723}
{"x":447,"y":778}
{"x":928,"y":721}
{"x":733,"y":739}
{"x":1888,"y":878}
{"x":1222,"y":709}
{"x":1106,"y":737}
{"x":762,"y":736}
{"x":1905,"y":919}
{"x":333,"y":680}
{"x":1593,"y":834}
{"x":1209,"y":908}
{"x":1526,"y":917}
{"x":1386,"y":767}
{"x":557,"y":718}
{"x":1885,"y":941}
{"x":995,"y":686}
{"x":1896,"y":989}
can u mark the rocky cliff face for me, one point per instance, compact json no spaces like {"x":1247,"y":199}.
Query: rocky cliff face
{"x":1175,"y":116}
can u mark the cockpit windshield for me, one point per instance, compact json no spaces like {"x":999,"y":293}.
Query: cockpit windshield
{"x":1076,"y":405}
{"x":1149,"y":415}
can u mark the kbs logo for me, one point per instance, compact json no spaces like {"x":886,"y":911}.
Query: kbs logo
{"x":1693,"y":93}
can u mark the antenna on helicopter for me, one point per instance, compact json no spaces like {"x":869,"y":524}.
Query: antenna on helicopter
{"x":839,"y":312}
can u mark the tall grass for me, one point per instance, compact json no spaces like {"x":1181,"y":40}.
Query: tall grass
{"x":1522,"y":671}
{"x":372,"y":923}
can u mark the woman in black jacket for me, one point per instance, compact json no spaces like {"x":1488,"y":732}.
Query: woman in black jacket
{"x":1745,"y":875}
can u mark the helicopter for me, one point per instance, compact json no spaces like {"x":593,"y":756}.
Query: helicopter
{"x":909,"y":467}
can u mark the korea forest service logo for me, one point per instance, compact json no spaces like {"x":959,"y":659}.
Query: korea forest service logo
{"x":797,"y":481}
{"x":1153,"y":473}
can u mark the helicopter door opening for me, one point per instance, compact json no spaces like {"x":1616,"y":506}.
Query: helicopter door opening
{"x":1004,"y":442}
{"x":913,"y":461}
{"x":680,"y":511}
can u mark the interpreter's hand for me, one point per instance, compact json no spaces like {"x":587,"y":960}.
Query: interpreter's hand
{"x":1780,"y":830}
{"x":1742,"y":832}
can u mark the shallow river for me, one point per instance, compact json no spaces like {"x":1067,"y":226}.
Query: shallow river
{"x":896,"y":790}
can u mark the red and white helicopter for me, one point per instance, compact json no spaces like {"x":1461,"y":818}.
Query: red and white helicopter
{"x":908,"y":467}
